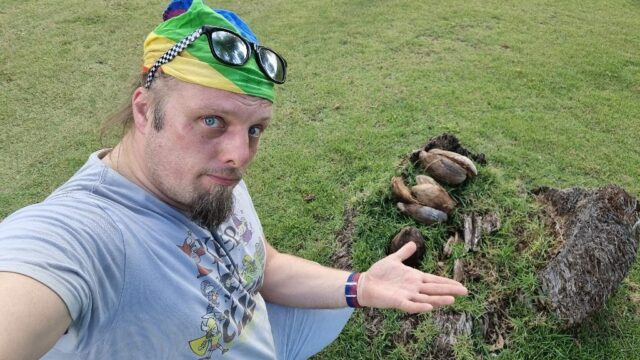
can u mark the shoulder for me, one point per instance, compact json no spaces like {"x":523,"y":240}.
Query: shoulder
{"x":64,"y":243}
{"x":71,"y":212}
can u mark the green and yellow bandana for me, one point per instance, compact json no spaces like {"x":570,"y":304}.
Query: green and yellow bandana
{"x":196,"y":64}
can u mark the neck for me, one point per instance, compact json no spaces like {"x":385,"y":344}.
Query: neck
{"x":120,"y":160}
{"x":124,"y":158}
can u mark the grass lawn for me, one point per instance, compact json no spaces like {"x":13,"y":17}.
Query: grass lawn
{"x":549,"y":91}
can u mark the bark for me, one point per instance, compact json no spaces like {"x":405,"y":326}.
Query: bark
{"x":451,"y":325}
{"x":596,"y":249}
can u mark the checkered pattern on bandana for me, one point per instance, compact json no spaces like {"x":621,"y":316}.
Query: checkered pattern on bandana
{"x":171,"y":54}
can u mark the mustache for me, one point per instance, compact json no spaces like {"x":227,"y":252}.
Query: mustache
{"x":228,"y":172}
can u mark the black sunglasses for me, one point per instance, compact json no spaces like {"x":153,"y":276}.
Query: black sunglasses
{"x":229,"y":48}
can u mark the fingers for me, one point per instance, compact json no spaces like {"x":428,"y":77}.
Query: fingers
{"x":435,"y":301}
{"x":415,"y":307}
{"x":405,"y":251}
{"x":435,"y":285}
{"x":425,"y":303}
{"x":443,"y":289}
{"x":430,"y":278}
{"x":438,"y":283}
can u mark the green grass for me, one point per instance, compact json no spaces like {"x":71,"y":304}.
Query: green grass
{"x":549,"y":91}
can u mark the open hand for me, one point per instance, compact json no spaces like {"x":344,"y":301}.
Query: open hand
{"x":390,"y":284}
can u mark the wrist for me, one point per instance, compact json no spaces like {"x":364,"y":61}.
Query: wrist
{"x":361,"y":289}
{"x":351,"y":290}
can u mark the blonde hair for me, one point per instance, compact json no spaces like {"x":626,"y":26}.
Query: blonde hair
{"x":122,"y":119}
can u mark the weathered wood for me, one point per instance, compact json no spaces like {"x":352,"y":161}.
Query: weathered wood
{"x":450,"y":325}
{"x":468,"y":232}
{"x":597,"y":252}
{"x":477,"y":232}
{"x":448,"y":247}
{"x":475,"y":226}
{"x":458,"y":270}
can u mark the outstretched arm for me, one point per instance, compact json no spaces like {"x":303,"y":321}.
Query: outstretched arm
{"x":294,"y":281}
{"x":32,"y":317}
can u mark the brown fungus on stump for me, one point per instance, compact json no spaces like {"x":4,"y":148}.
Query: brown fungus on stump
{"x":596,"y":252}
{"x":404,"y":236}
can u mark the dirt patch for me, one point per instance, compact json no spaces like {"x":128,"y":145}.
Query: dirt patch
{"x":408,"y":324}
{"x":373,"y":322}
{"x":341,"y":259}
{"x":495,"y":325}
{"x":595,"y":248}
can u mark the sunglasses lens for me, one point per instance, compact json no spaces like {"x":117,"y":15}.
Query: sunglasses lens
{"x":229,"y":48}
{"x":272,"y":64}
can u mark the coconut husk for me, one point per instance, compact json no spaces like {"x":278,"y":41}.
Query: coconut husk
{"x":423,"y":214}
{"x":405,"y":235}
{"x":442,"y":169}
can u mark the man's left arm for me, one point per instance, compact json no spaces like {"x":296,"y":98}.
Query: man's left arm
{"x":293,"y":281}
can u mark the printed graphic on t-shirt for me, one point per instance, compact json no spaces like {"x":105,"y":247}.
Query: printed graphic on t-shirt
{"x":230,"y":272}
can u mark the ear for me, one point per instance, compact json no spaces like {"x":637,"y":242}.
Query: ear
{"x":140,"y":104}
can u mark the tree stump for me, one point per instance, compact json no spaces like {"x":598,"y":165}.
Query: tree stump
{"x":596,"y":249}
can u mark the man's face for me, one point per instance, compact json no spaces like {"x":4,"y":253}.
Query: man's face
{"x":207,"y":141}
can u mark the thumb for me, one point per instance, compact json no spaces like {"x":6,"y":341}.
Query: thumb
{"x":406,"y":250}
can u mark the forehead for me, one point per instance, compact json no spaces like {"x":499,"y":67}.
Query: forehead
{"x":198,"y":98}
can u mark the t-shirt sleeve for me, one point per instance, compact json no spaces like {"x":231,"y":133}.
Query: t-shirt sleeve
{"x":73,"y":248}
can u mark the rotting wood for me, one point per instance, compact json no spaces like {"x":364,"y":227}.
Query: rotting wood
{"x":597,"y":252}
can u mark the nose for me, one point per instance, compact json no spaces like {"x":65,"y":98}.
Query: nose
{"x":237,"y":150}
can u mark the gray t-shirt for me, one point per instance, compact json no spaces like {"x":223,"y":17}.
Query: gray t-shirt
{"x":140,"y":279}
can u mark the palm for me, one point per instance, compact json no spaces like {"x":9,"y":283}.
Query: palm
{"x":391,"y":284}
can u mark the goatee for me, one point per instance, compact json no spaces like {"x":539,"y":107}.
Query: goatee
{"x":213,"y":208}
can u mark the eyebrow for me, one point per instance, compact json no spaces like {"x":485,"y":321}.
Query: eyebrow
{"x":266,"y":120}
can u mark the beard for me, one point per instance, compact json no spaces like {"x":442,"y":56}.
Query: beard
{"x":212,"y":208}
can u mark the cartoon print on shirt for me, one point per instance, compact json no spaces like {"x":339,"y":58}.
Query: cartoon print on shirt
{"x":195,"y":249}
{"x":230,"y":266}
{"x":252,"y":269}
{"x":212,"y":339}
{"x":241,"y":305}
{"x":237,"y":233}
{"x":242,"y":226}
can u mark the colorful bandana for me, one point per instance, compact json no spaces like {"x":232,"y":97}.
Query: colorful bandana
{"x":196,"y":64}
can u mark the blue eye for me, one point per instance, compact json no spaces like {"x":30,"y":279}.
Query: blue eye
{"x":212,"y":121}
{"x":255,"y":131}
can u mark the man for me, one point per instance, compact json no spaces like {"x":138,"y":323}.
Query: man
{"x":153,"y":248}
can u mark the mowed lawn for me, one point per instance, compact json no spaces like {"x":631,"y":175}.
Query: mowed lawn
{"x":549,"y":91}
